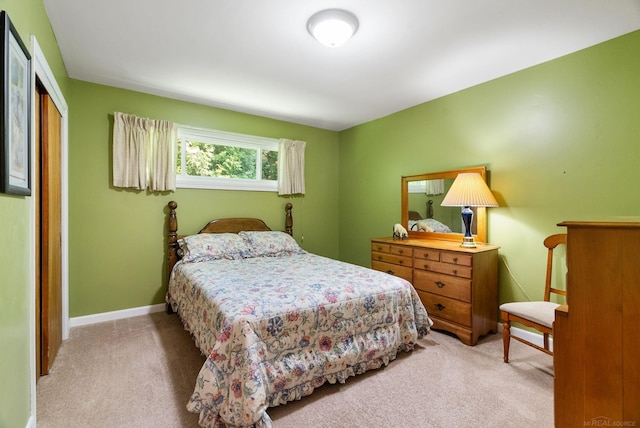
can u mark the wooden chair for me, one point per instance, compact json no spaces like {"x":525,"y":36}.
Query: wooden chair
{"x":539,"y":315}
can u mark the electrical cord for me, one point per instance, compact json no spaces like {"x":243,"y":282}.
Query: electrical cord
{"x":514,"y":279}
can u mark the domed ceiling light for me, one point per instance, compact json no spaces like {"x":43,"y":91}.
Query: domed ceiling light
{"x":332,"y":27}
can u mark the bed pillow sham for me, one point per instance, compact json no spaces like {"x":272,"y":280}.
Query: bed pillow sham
{"x":271,"y":244}
{"x":205,"y":247}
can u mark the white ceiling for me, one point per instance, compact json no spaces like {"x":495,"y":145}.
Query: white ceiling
{"x":256,"y":56}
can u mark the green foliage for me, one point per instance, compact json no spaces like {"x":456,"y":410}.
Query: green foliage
{"x":269,"y":165}
{"x":214,"y":160}
{"x":179,"y":158}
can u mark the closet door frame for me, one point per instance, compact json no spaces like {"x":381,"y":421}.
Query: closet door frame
{"x":41,"y":69}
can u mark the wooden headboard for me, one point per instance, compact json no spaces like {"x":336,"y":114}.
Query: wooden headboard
{"x":224,"y":225}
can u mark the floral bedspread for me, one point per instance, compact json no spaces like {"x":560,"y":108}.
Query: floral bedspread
{"x":275,"y":328}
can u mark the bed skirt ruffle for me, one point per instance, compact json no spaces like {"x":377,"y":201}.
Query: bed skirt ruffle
{"x":210,"y":418}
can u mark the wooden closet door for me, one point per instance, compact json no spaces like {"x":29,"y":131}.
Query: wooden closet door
{"x":51,"y":234}
{"x":38,"y":253}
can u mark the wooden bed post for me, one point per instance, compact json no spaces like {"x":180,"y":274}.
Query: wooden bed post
{"x":172,"y":244}
{"x":172,"y":238}
{"x":288,"y":220}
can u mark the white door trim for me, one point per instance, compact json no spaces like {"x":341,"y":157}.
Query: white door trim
{"x":40,"y":68}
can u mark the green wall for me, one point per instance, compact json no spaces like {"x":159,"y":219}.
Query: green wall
{"x":117,"y":237}
{"x":14,"y":317}
{"x":560,"y":141}
{"x":28,"y":16}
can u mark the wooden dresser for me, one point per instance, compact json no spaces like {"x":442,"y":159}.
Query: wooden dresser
{"x":458,"y":286}
{"x":597,"y":334}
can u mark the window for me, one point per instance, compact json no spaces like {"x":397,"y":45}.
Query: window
{"x":210,"y":159}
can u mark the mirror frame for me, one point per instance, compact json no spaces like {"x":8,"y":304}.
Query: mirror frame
{"x":479,"y":218}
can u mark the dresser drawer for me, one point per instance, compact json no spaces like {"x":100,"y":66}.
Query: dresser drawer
{"x":401,"y":251}
{"x":380,"y":248}
{"x":426,"y":254}
{"x":446,"y":308}
{"x":392,"y":258}
{"x":443,"y":285}
{"x":403,"y":272}
{"x":446,"y":268}
{"x":456,"y":258}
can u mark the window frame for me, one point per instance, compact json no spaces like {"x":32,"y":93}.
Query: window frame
{"x":214,"y":136}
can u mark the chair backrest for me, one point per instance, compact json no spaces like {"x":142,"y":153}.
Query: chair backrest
{"x":551,"y":242}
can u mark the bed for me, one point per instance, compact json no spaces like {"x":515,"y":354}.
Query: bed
{"x":428,"y":223}
{"x":276,"y":322}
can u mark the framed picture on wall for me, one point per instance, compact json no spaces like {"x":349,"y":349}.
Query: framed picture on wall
{"x":15,"y":120}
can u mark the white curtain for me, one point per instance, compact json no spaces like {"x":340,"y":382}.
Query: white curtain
{"x":291,"y":167}
{"x":144,"y":153}
{"x":162,"y":169}
{"x":434,"y":187}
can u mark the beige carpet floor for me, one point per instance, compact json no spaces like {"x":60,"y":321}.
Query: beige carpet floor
{"x":140,"y":372}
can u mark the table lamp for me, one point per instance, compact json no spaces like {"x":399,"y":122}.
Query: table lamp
{"x":469,"y":190}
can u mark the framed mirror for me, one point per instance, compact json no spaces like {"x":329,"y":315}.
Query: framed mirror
{"x":424,"y":217}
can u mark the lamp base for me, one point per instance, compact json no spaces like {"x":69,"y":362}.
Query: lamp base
{"x":468,"y":242}
{"x":467,"y":218}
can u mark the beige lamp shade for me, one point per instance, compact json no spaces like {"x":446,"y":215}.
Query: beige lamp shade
{"x":469,"y":190}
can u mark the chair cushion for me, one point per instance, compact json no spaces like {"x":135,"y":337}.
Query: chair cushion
{"x":539,"y":312}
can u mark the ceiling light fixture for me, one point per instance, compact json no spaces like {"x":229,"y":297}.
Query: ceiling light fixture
{"x":332,"y":27}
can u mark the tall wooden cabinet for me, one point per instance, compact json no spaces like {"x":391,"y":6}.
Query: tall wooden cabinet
{"x":597,"y":334}
{"x":458,"y":286}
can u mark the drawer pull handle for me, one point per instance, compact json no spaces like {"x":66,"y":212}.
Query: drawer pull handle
{"x":379,"y":257}
{"x":440,"y":284}
{"x":426,"y":255}
{"x":390,"y":272}
{"x":400,"y":262}
{"x":426,"y":266}
{"x":400,"y":251}
{"x":440,"y":306}
{"x":455,"y":260}
{"x":455,"y":271}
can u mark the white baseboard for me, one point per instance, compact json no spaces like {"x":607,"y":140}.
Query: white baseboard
{"x":31,"y":423}
{"x":116,"y":315}
{"x":530,"y":336}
